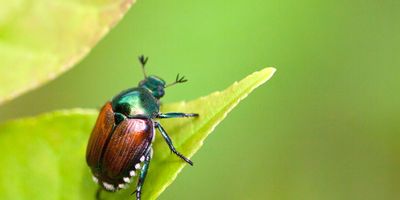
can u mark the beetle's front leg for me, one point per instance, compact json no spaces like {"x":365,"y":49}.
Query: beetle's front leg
{"x":169,"y":142}
{"x":143,"y":173}
{"x":176,"y":115}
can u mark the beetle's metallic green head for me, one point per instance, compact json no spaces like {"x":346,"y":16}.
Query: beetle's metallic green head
{"x":155,"y":84}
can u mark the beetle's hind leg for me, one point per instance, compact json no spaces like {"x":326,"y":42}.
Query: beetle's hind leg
{"x":143,"y":173}
{"x":169,"y":142}
{"x":98,"y":193}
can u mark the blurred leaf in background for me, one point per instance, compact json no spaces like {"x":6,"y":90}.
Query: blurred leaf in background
{"x":41,"y":39}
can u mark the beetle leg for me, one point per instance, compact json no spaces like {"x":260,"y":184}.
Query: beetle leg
{"x":98,"y":193}
{"x":143,"y":173}
{"x":169,"y":142}
{"x":176,"y":115}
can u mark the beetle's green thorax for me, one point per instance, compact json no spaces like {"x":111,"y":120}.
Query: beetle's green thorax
{"x":136,"y":102}
{"x":154,"y":84}
{"x":142,"y":101}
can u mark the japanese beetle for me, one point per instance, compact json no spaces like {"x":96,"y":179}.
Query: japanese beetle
{"x":120,"y":145}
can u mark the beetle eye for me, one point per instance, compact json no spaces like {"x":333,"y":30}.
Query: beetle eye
{"x":160,"y":92}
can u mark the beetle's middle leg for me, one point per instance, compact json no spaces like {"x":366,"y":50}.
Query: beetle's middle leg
{"x":176,"y":115}
{"x":169,"y":142}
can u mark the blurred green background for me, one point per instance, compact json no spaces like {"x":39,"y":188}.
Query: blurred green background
{"x":326,"y":126}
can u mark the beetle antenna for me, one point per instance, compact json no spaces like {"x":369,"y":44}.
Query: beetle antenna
{"x":143,"y":61}
{"x":177,"y":80}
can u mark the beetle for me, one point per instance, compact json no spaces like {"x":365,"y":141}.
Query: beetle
{"x":120,"y":145}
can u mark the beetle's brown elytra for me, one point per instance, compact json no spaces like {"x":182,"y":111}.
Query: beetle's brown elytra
{"x":119,"y":147}
{"x":100,"y":133}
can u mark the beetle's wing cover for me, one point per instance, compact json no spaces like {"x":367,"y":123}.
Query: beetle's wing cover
{"x":129,"y":142}
{"x":101,"y":132}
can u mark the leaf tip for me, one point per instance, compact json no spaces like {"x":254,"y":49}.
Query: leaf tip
{"x":267,"y":72}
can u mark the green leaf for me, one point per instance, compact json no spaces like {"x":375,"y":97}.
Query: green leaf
{"x":44,"y":157}
{"x":41,"y":39}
